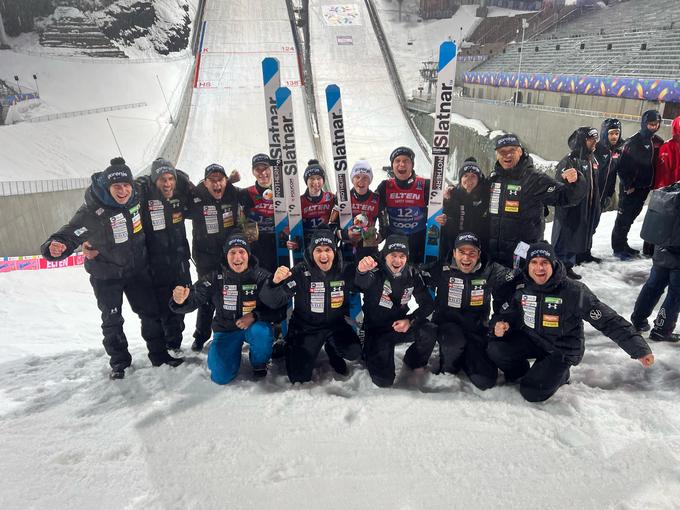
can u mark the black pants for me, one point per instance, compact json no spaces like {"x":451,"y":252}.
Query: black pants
{"x":138,"y":290}
{"x":163,"y":283}
{"x":538,"y":382}
{"x":630,"y":206}
{"x":265,"y":251}
{"x":379,"y":351}
{"x":467,"y":350}
{"x":205,"y":312}
{"x":303,"y":347}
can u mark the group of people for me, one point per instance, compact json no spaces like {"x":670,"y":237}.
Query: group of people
{"x":134,"y":239}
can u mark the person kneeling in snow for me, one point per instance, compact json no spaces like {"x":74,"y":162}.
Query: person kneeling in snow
{"x":544,"y":320}
{"x":234,"y":291}
{"x":388,"y":285}
{"x":321,"y":289}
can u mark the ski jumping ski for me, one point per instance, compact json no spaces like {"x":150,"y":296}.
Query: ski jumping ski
{"x":284,"y":107}
{"x":272,"y":81}
{"x":440,"y":146}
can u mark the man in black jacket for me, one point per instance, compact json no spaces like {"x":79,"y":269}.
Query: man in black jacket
{"x":574,"y":227}
{"x":240,"y":315}
{"x":636,"y":173}
{"x":464,"y":284}
{"x":518,"y":196}
{"x":214,"y":212}
{"x":110,"y":221}
{"x":544,"y":320}
{"x":320,"y":286}
{"x":388,"y":285}
{"x":608,"y":154}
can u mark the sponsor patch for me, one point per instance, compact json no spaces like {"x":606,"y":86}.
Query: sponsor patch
{"x":317,"y":300}
{"x":511,"y":206}
{"x":551,"y":321}
{"x":210,"y":217}
{"x":595,"y":314}
{"x":177,"y":217}
{"x":136,"y":219}
{"x":80,"y":231}
{"x":119,"y":227}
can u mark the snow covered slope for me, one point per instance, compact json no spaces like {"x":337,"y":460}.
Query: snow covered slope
{"x":227,"y":123}
{"x":170,"y":439}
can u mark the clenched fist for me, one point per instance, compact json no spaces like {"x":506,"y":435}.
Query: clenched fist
{"x":501,"y":328}
{"x":57,"y":248}
{"x":234,"y":176}
{"x":180,"y":294}
{"x":367,"y":264}
{"x":647,"y":361}
{"x":88,"y":251}
{"x":281,"y":274}
{"x":570,"y":175}
{"x":401,"y":326}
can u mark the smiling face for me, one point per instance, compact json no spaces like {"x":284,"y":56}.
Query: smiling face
{"x":540,"y":270}
{"x":121,"y":192}
{"x":216,"y":183}
{"x":166,"y":184}
{"x":314,"y":184}
{"x":263,"y":175}
{"x":361,"y":183}
{"x":237,"y":258}
{"x":466,"y":257}
{"x":396,"y":261}
{"x":402,"y":166}
{"x":469,"y":181}
{"x":323,"y":257}
{"x":508,"y":157}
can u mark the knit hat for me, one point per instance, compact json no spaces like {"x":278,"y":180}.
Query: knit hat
{"x":214,"y":168}
{"x":470,"y":167}
{"x":402,"y":151}
{"x":117,"y":172}
{"x":261,"y":159}
{"x":397,"y":243}
{"x":314,"y":168}
{"x":541,"y":249}
{"x":467,"y":238}
{"x":508,"y":140}
{"x":162,"y":166}
{"x":236,"y":241}
{"x":362,"y":167}
{"x":322,"y":237}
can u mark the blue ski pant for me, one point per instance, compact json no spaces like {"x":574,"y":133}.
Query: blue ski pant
{"x":224,"y":355}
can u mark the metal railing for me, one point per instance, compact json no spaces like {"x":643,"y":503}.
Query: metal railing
{"x":10,"y":188}
{"x":90,"y":111}
{"x":85,"y":59}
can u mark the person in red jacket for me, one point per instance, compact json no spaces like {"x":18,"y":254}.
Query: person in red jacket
{"x":668,"y":163}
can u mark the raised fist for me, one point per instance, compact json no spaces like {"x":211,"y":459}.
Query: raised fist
{"x":234,"y":176}
{"x":570,"y":175}
{"x":180,"y":294}
{"x":647,"y":361}
{"x":367,"y":264}
{"x":501,"y":328}
{"x":281,"y":274}
{"x":57,"y":248}
{"x":88,"y":251}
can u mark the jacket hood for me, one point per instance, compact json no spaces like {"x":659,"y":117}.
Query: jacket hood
{"x":675,"y":128}
{"x":577,"y":141}
{"x":648,"y":116}
{"x":100,"y":192}
{"x":608,"y":124}
{"x":558,"y":276}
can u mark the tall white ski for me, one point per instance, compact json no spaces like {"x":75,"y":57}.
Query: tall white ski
{"x":336,"y":125}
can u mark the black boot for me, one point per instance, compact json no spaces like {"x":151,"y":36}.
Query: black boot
{"x":588,"y":257}
{"x":260,"y":371}
{"x":164,"y":358}
{"x":640,"y":327}
{"x":117,"y":373}
{"x":571,"y":274}
{"x":197,"y":345}
{"x":662,"y":336}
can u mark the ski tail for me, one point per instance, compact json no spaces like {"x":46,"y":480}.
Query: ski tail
{"x":440,"y":146}
{"x":284,"y":107}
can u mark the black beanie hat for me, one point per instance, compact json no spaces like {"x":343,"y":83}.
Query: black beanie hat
{"x":314,"y":168}
{"x":395,"y":242}
{"x":467,"y":238}
{"x":322,"y":237}
{"x":541,"y":249}
{"x":470,"y":167}
{"x":210,"y":169}
{"x":402,"y":151}
{"x":236,"y":241}
{"x":162,"y":166}
{"x":118,"y":171}
{"x":261,"y":159}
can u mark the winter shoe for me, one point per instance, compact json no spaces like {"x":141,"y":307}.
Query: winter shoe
{"x":260,"y":371}
{"x":338,"y":365}
{"x":640,"y":327}
{"x":588,"y":257}
{"x":632,"y":251}
{"x":571,"y":274}
{"x":278,"y":349}
{"x":117,"y":373}
{"x":164,"y":358}
{"x":624,"y":256}
{"x":661,"y":336}
{"x":197,"y":346}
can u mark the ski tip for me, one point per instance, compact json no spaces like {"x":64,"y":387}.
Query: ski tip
{"x":447,"y":52}
{"x":332,"y":96}
{"x":270,"y":66}
{"x":282,"y":95}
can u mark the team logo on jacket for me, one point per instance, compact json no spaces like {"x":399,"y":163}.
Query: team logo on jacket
{"x":596,"y":314}
{"x":477,"y":292}
{"x":227,"y":217}
{"x":136,"y":219}
{"x":177,"y":217}
{"x":249,"y":302}
{"x":337,"y":293}
{"x":551,"y":321}
{"x":512,"y":206}
{"x":268,"y":194}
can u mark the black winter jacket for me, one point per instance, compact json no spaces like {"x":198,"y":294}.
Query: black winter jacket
{"x":667,"y":257}
{"x":233,"y":295}
{"x":113,"y":229}
{"x":321,"y":298}
{"x":467,"y":212}
{"x":516,"y":206}
{"x":465,"y":298}
{"x":163,"y":220}
{"x":638,"y":158}
{"x":386,"y":296}
{"x":213,"y":221}
{"x":608,"y":157}
{"x":552,"y":316}
{"x":574,"y":226}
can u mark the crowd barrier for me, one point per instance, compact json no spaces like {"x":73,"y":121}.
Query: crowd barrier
{"x":37,"y":262}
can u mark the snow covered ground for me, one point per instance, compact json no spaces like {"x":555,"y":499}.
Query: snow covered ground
{"x":169,"y":438}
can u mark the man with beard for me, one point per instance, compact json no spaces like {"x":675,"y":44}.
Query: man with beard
{"x":608,"y":154}
{"x":320,"y":287}
{"x":110,"y":221}
{"x":544,"y":321}
{"x":239,"y":313}
{"x":214,"y":212}
{"x":574,"y":226}
{"x":518,"y":196}
{"x":388,"y":285}
{"x":636,"y":173}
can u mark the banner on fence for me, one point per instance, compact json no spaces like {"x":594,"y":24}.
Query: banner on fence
{"x":36,"y":262}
